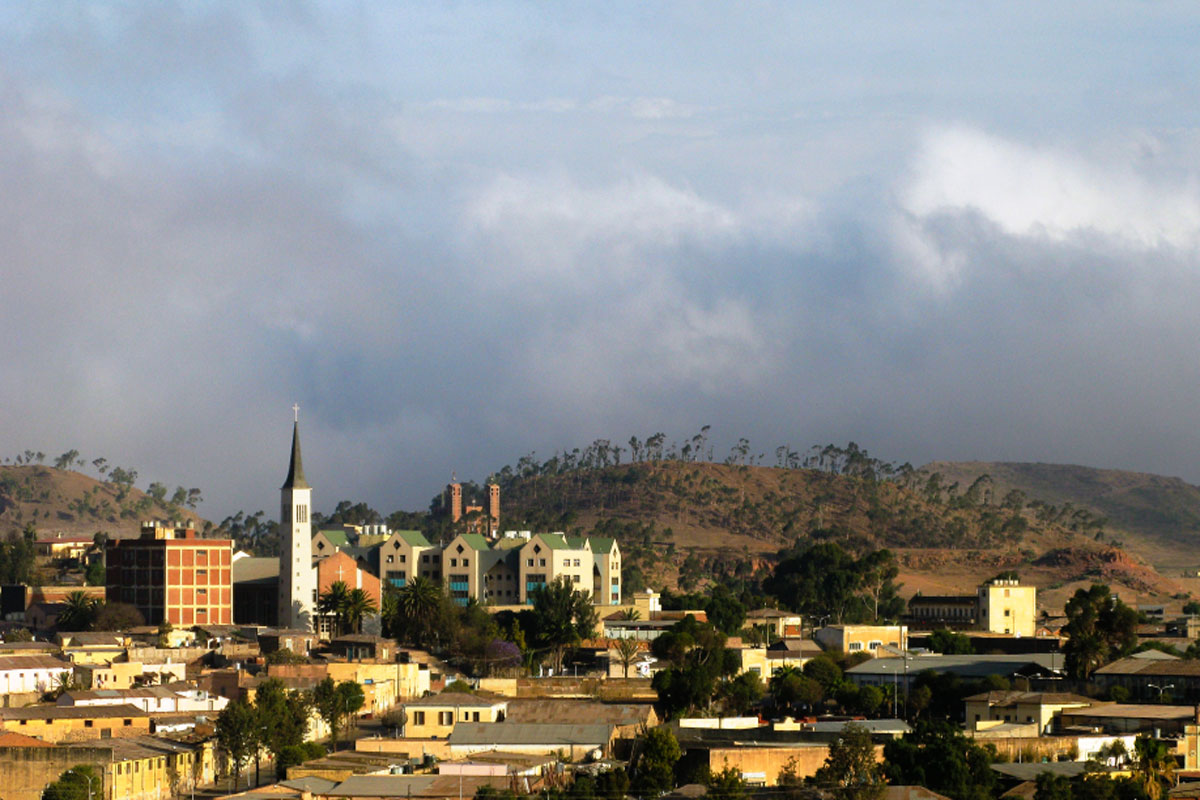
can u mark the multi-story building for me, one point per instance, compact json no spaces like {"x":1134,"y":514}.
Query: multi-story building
{"x":463,"y":566}
{"x":870,"y":639}
{"x":171,"y":574}
{"x":1005,"y":606}
{"x":400,"y":557}
{"x":1001,"y":606}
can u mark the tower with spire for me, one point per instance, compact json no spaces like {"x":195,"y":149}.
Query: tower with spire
{"x":297,"y":578}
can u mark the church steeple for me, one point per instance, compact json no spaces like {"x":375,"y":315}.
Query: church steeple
{"x":295,"y":476}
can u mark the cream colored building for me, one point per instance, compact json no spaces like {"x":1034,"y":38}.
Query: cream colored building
{"x":1033,"y":708}
{"x":1005,"y":606}
{"x":434,"y":717}
{"x":870,"y":639}
{"x":406,"y":555}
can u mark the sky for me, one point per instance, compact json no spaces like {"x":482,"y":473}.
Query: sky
{"x":456,"y":233}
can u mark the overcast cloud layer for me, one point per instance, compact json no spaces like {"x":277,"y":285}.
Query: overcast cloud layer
{"x":458,"y":233}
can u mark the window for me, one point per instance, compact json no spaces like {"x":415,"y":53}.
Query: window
{"x":541,"y":562}
{"x":418,"y":718}
{"x":445,"y":718}
{"x":1008,"y":612}
{"x":574,"y":579}
{"x":566,"y":562}
{"x":454,"y":562}
{"x":475,"y":717}
{"x":301,"y":513}
{"x":529,"y":562}
{"x":391,"y":559}
{"x":466,"y":562}
{"x":127,"y":723}
{"x":874,"y":644}
{"x":87,"y":723}
{"x":577,"y":562}
{"x":403,"y":558}
{"x":854,"y":647}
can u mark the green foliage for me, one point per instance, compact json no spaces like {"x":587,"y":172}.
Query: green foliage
{"x":698,"y":658}
{"x":850,"y":771}
{"x":1191,"y":607}
{"x":79,"y":613}
{"x":80,"y":782}
{"x":282,"y":718}
{"x":939,"y":757}
{"x":1100,"y":629}
{"x":654,"y":771}
{"x":561,"y":617}
{"x":948,"y":642}
{"x":825,"y":580}
{"x":237,"y":735}
{"x":742,"y":692}
{"x":727,"y":784}
{"x":724,"y":610}
{"x":116,"y":617}
{"x":458,"y":687}
{"x":94,"y":574}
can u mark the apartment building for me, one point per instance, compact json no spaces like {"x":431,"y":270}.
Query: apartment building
{"x":172,"y":574}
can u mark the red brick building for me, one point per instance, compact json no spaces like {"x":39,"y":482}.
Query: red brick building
{"x":172,"y":574}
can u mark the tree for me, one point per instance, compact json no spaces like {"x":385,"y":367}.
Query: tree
{"x":414,"y":608}
{"x":1154,"y":766}
{"x":237,"y":735}
{"x":743,"y":692}
{"x":333,"y":603}
{"x":1099,"y":627}
{"x":948,"y":642}
{"x":561,"y":617}
{"x":333,"y":701}
{"x":725,"y":611}
{"x":79,"y":613}
{"x":627,"y":652}
{"x":80,"y":782}
{"x":939,"y":757}
{"x":727,"y":784}
{"x":851,"y":771}
{"x":655,"y":771}
{"x":282,"y":718}
{"x":328,"y":704}
{"x":66,"y":459}
{"x":359,"y":605}
{"x":117,"y":617}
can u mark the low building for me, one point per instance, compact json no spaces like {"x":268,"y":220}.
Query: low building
{"x":20,"y":674}
{"x":1037,"y":708}
{"x":436,"y":716}
{"x":778,"y":624}
{"x":575,"y":742}
{"x":1152,"y":679}
{"x":900,"y":672}
{"x":364,"y":646}
{"x":1119,"y":719}
{"x":870,"y":639}
{"x":57,"y":724}
{"x":170,"y":699}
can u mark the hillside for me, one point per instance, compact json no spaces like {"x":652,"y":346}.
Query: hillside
{"x":1156,"y":516}
{"x":54,"y":500}
{"x":710,"y":517}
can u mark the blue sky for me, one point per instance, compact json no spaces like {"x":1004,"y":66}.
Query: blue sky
{"x":459,"y":232}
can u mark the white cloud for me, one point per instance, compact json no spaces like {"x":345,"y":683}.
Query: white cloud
{"x":1035,"y":193}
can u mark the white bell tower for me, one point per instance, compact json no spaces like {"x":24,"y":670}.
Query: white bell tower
{"x":297,"y":578}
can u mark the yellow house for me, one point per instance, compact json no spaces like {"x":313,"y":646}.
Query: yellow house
{"x":1005,"y":606}
{"x":870,"y":639}
{"x":435,"y":716}
{"x":1038,"y":708}
{"x":76,"y":724}
{"x":115,"y":675}
{"x":93,"y":648}
{"x":384,"y":684}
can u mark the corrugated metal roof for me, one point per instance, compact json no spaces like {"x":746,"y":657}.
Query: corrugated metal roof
{"x":518,"y":733}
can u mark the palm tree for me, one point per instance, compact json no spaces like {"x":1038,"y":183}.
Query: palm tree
{"x":333,"y":602}
{"x":627,"y":651}
{"x":629,"y":614}
{"x":417,"y":604}
{"x":359,"y":604}
{"x":79,"y":613}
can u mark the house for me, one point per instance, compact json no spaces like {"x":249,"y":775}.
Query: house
{"x":339,"y":567}
{"x":93,"y":647}
{"x":58,"y":724}
{"x":1001,"y":605}
{"x":790,"y":653}
{"x":1150,"y":679}
{"x":363,"y":646}
{"x":627,"y":719}
{"x":901,"y":672}
{"x":1037,"y":708}
{"x":870,"y":639}
{"x":436,"y":716}
{"x":400,"y":554}
{"x":574,"y":741}
{"x":777,"y":624}
{"x":1125,"y":718}
{"x":172,"y":699}
{"x":296,"y":641}
{"x":22,"y":674}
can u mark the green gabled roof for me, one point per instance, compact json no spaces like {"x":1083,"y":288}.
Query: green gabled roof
{"x":602,"y":544}
{"x":413,"y":538}
{"x":338,"y":538}
{"x":577,"y":542}
{"x":555,"y":541}
{"x":477,"y":541}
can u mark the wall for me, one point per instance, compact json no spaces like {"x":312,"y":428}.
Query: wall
{"x":29,"y":770}
{"x":763,"y":764}
{"x":414,"y":748}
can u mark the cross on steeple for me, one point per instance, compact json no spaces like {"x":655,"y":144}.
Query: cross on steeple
{"x":296,"y":411}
